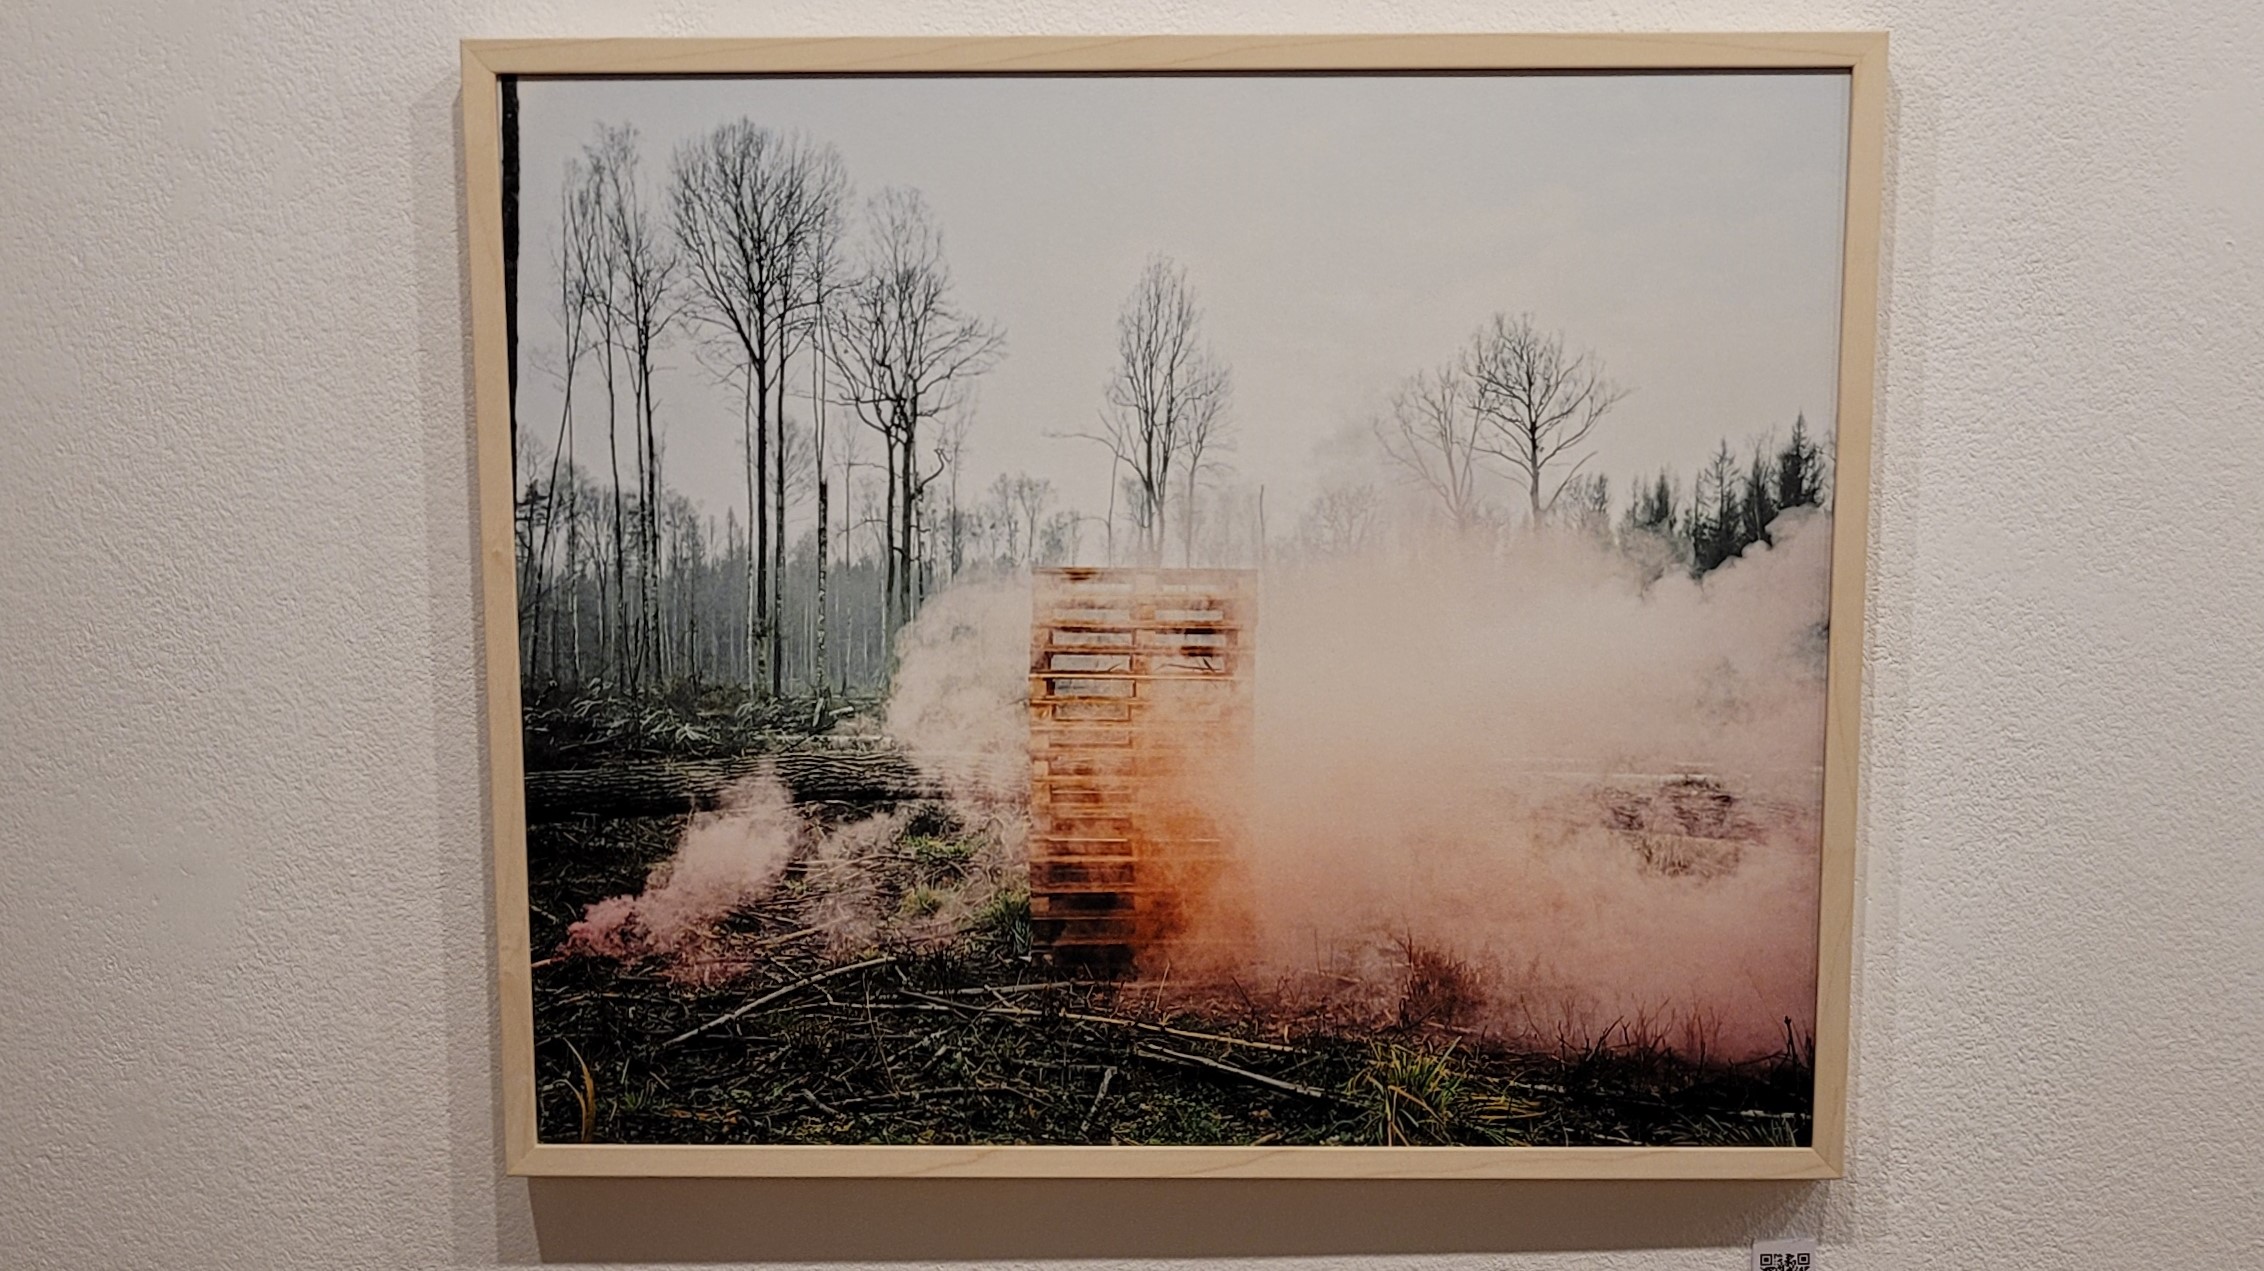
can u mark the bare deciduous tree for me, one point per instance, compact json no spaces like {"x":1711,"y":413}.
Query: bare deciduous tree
{"x":608,"y":172}
{"x":1207,"y":433}
{"x":905,"y":354}
{"x":1166,"y":402}
{"x":1585,"y":507}
{"x":639,"y":305}
{"x":1537,"y":403}
{"x":815,"y":187}
{"x":1061,"y":540}
{"x":1341,"y":520}
{"x":822,"y":268}
{"x":950,"y":447}
{"x":1013,"y":520}
{"x":1031,"y":495}
{"x":1432,"y":434}
{"x":756,"y":213}
{"x":577,"y":249}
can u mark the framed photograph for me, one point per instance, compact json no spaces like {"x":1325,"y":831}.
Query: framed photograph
{"x":1241,"y":607}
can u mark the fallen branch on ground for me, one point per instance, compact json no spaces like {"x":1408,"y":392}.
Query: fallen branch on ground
{"x":937,"y":1092}
{"x":1110,"y":1021}
{"x":1173,"y":1056}
{"x":775,"y":994}
{"x":664,"y":787}
{"x":1107,"y":1075}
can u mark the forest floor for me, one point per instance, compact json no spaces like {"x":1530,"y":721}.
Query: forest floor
{"x":937,"y":1024}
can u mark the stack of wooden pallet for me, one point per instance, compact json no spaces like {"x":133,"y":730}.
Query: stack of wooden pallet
{"x":1140,"y":718}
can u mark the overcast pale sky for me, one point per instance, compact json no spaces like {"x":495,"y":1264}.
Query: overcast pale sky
{"x":1340,"y":232}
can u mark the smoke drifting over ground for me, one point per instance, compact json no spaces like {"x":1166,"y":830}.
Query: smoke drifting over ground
{"x":959,"y":699}
{"x":1524,"y":794}
{"x":1586,"y":802}
{"x":957,"y":710}
{"x":1528,"y":791}
{"x":726,"y":859}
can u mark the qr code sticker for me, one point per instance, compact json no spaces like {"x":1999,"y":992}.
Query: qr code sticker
{"x":1785,"y":1255}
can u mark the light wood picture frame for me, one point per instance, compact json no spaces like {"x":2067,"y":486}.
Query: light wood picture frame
{"x":1413,"y":1138}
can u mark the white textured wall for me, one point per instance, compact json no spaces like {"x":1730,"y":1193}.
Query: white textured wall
{"x":244,"y":1008}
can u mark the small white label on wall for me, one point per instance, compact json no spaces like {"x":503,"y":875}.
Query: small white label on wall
{"x":1797,"y":1254}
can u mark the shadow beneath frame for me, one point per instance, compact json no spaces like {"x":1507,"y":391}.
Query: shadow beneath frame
{"x":937,"y":1220}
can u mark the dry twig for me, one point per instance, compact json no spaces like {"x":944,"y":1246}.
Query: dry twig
{"x":1109,"y":1021}
{"x":1107,"y":1075}
{"x":775,"y":994}
{"x":1291,"y":1087}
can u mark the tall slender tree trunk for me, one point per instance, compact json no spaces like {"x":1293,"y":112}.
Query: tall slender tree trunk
{"x":1261,"y":527}
{"x":754,"y":501}
{"x":574,"y":567}
{"x":652,"y":659}
{"x":822,"y":672}
{"x":573,"y":611}
{"x":690,"y":593}
{"x":1187,"y":533}
{"x":542,"y":582}
{"x":640,"y":569}
{"x":620,"y":607}
{"x":637,"y":567}
{"x":778,"y":544}
{"x":758,"y":501}
{"x":819,"y":671}
{"x":662,"y":658}
{"x":1110,"y":546}
{"x":888,"y":534}
{"x":602,"y":571}
{"x":904,"y":578}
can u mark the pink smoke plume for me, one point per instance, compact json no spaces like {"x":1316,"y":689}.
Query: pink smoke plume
{"x":726,"y":859}
{"x":1592,"y":791}
{"x":1599,"y":798}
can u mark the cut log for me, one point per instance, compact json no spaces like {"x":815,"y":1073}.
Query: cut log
{"x":668,"y":787}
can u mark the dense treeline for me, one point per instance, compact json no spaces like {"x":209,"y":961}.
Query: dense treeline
{"x":1514,"y":408}
{"x":573,"y":637}
{"x":1730,"y":507}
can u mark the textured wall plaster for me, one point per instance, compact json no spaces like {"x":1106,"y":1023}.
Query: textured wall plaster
{"x":243,"y":921}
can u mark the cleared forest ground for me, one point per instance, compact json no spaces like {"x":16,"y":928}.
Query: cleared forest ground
{"x":935,"y":1024}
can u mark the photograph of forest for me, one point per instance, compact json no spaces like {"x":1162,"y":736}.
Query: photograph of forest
{"x":1174,"y":610}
